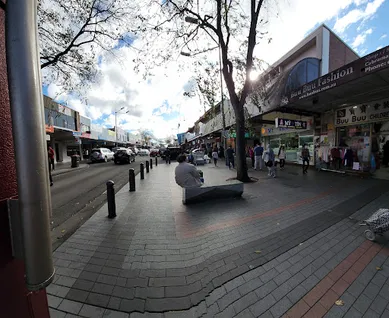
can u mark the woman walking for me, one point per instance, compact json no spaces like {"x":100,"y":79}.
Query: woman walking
{"x":251,"y":154}
{"x":215,"y":156}
{"x":282,"y":157}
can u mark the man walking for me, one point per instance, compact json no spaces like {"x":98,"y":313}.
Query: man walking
{"x":258,"y":153}
{"x":306,"y":156}
{"x":230,"y":157}
{"x":51,"y":157}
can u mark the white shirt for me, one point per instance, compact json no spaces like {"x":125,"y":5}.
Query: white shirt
{"x":187,"y":176}
{"x":215,"y":155}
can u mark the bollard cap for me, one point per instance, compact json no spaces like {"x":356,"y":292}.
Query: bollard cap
{"x":110,"y":182}
{"x":131,"y":169}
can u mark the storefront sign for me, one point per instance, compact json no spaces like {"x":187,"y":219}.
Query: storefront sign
{"x":366,"y":65}
{"x":49,"y":129}
{"x":233,"y":135}
{"x":77,"y":133}
{"x":86,"y":135}
{"x":64,"y":110}
{"x":290,"y":123}
{"x":365,"y":113}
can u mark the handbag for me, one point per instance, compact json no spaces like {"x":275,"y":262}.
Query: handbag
{"x":269,"y":163}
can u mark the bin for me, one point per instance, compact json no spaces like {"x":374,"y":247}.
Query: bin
{"x":75,"y":161}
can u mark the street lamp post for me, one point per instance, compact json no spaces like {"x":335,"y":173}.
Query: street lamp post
{"x":196,"y":21}
{"x":116,"y":124}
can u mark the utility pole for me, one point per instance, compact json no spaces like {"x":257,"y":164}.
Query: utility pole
{"x":116,"y":124}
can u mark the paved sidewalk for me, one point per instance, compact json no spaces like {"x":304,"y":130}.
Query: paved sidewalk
{"x":61,"y":168}
{"x":291,"y":247}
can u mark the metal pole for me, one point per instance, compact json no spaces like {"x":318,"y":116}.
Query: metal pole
{"x":25,"y":87}
{"x":80,"y":148}
{"x":142,"y":171}
{"x":111,"y":199}
{"x":116,"y":129}
{"x":222,"y":100}
{"x":151,"y":163}
{"x":131,"y":179}
{"x":147,"y":166}
{"x":156,"y":161}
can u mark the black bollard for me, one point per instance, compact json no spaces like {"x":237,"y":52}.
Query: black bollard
{"x":156,"y":161}
{"x":151,"y":163}
{"x":111,"y":199}
{"x":131,"y":179}
{"x":147,"y":166}
{"x":142,"y":171}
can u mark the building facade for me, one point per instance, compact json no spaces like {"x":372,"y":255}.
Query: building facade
{"x":69,"y":133}
{"x":319,"y":94}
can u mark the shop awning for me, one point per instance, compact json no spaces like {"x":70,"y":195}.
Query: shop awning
{"x":362,"y":81}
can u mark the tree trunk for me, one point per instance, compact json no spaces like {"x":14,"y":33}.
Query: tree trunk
{"x":241,"y":163}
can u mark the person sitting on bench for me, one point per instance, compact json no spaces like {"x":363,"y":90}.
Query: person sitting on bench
{"x":187,"y":176}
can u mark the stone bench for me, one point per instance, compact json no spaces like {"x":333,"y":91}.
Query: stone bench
{"x":209,"y":191}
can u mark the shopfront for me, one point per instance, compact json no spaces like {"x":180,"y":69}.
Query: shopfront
{"x":292,"y":132}
{"x":361,"y":131}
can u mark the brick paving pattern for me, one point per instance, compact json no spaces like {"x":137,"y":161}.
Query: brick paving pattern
{"x":291,"y":248}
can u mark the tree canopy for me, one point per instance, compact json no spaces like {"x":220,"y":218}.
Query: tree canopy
{"x":75,"y":33}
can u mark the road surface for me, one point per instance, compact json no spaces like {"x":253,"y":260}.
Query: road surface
{"x":78,"y":194}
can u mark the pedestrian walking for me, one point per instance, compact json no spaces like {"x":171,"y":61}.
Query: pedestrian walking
{"x":230,"y":157}
{"x":269,"y":159}
{"x":221,"y":152}
{"x":386,"y":154}
{"x":258,"y":153}
{"x":49,"y":161}
{"x":167,"y":156}
{"x":51,"y":157}
{"x":282,"y":157}
{"x":215,"y":156}
{"x":306,"y":156}
{"x":251,"y":154}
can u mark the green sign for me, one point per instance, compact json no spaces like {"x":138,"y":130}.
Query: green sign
{"x":246,"y":135}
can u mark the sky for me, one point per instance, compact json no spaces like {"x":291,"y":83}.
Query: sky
{"x":158,"y":104}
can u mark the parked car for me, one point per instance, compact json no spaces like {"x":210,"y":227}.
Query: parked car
{"x":135,"y":150}
{"x":144,"y":152}
{"x":154,"y":152}
{"x":123,"y":155}
{"x":101,"y":154}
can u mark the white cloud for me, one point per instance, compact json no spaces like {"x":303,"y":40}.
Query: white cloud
{"x":379,"y":48}
{"x":357,"y":14}
{"x":383,"y":36}
{"x":361,"y":38}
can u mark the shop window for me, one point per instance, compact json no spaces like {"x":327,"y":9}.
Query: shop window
{"x":356,"y":138}
{"x":303,"y":72}
{"x":313,"y":66}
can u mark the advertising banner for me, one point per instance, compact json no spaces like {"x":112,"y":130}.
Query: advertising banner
{"x":364,"y":113}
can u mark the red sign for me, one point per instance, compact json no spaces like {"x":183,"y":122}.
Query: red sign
{"x":49,"y":129}
{"x":85,"y":135}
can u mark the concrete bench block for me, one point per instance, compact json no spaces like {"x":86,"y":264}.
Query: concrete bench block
{"x":229,"y":189}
